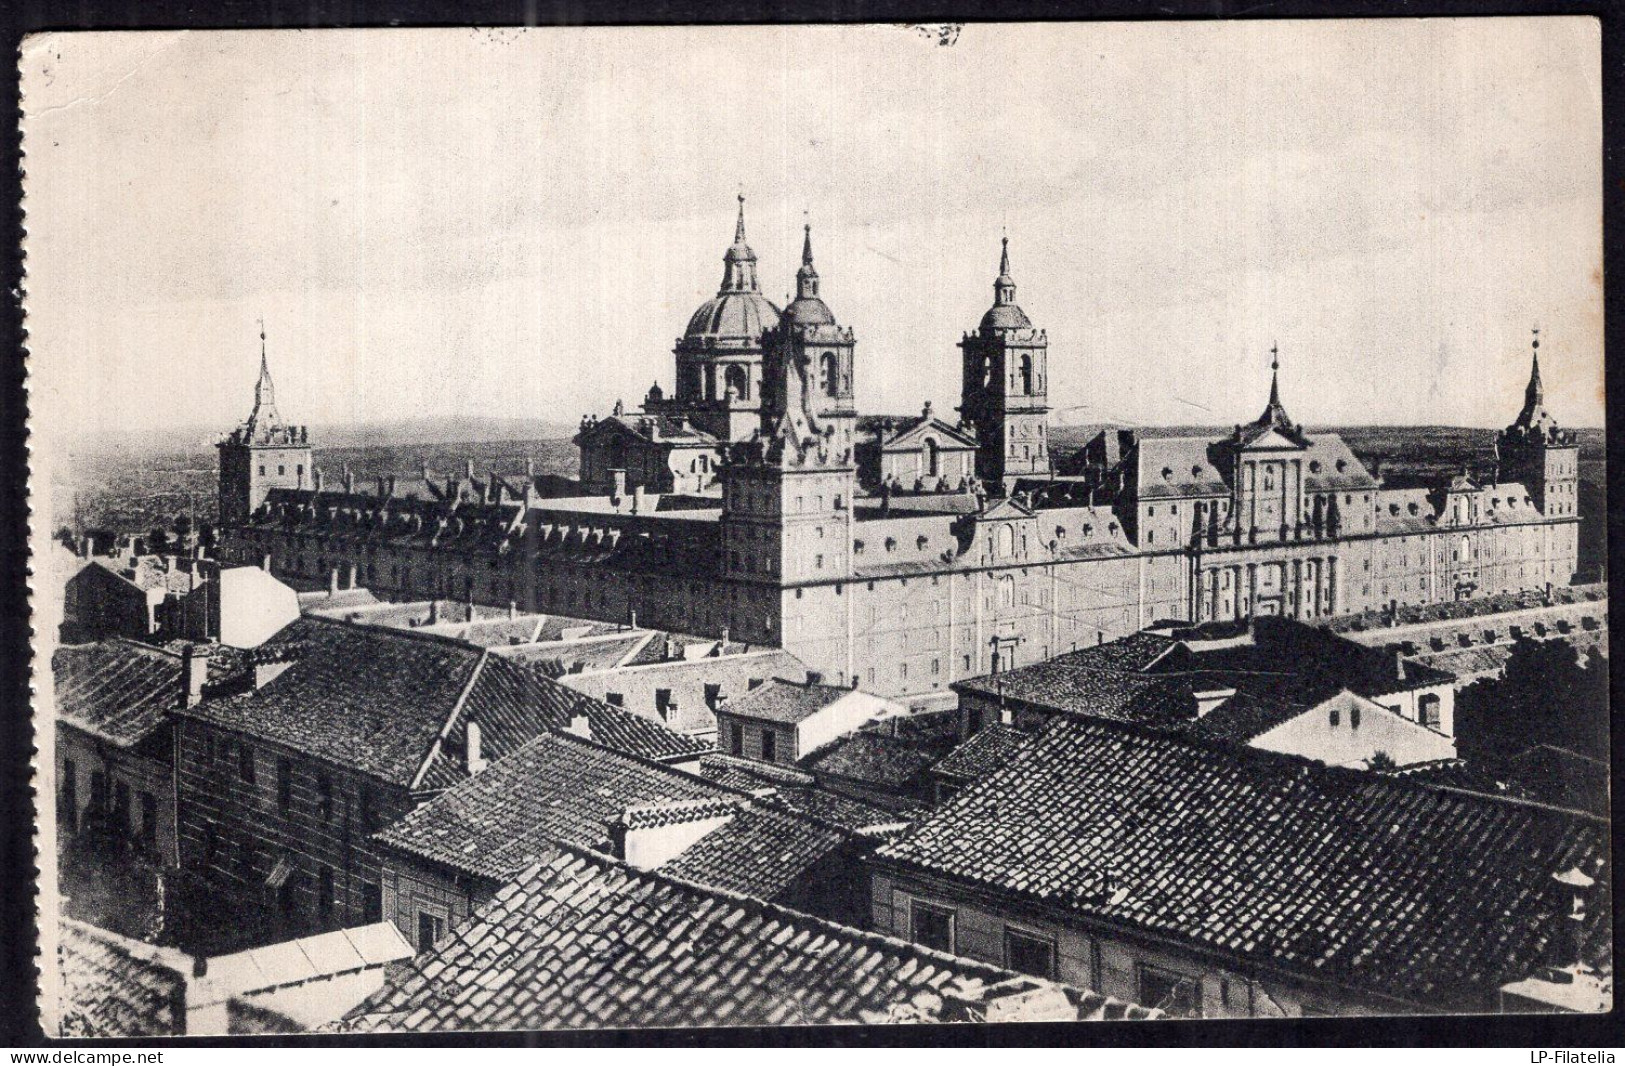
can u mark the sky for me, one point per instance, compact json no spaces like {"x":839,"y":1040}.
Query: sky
{"x":517,"y":223}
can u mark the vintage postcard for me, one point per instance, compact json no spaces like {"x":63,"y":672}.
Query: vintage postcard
{"x":764,"y":525}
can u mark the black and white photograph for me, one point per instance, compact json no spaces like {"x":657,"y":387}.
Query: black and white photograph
{"x":697,"y":527}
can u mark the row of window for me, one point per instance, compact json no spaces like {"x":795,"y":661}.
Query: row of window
{"x":138,"y":819}
{"x":242,"y":759}
{"x":1031,"y":952}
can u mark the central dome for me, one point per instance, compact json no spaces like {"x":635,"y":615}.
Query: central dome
{"x":733,"y":318}
{"x":738,"y":314}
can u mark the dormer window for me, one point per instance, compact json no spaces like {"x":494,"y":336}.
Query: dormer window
{"x":1196,"y":471}
{"x":1167,"y":473}
{"x":891,"y":544}
{"x":1342,"y":465}
{"x":1314,"y":466}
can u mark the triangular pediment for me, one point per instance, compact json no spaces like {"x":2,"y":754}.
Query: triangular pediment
{"x":1004,"y":509}
{"x":911,"y":437}
{"x":1273,"y":440}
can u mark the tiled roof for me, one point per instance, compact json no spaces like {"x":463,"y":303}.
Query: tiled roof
{"x":794,"y":789}
{"x":561,"y":788}
{"x":892,"y":754}
{"x":765,"y":852}
{"x":787,"y":702}
{"x":116,"y":689}
{"x":396,"y":704}
{"x":1279,"y":669}
{"x":984,"y":752}
{"x":557,"y":787}
{"x":580,"y":941}
{"x":1406,"y":890}
{"x":116,"y":987}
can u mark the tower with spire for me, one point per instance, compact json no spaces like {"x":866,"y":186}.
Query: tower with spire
{"x":261,"y":454}
{"x":1004,"y":388}
{"x":787,"y":491}
{"x":1536,"y":453}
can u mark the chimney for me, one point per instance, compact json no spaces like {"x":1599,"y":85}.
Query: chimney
{"x":513,"y":610}
{"x":724,"y":644}
{"x":349,"y":480}
{"x":469,"y":469}
{"x":1211,"y":699}
{"x":651,"y":835}
{"x":530,"y":468}
{"x":633,"y":624}
{"x":473,"y":749}
{"x":617,"y":483}
{"x":671,"y":648}
{"x":265,"y":563}
{"x":1399,"y":664}
{"x":194,"y":670}
{"x":316,"y":476}
{"x":434,"y":612}
{"x":1568,"y":941}
{"x":333,"y":581}
{"x":637,"y":499}
{"x":349,"y":582}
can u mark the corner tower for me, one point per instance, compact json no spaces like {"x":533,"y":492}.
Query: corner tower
{"x":1004,"y":391}
{"x":787,"y":492}
{"x":1534,"y":452}
{"x":261,"y":454}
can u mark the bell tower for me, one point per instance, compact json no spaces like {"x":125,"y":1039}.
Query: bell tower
{"x":1005,"y":388}
{"x":787,"y":492}
{"x":262,"y":454}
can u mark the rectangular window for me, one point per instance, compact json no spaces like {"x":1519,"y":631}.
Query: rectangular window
{"x":121,"y":804}
{"x":324,"y":795}
{"x":769,"y":745}
{"x":430,"y":928}
{"x":1029,"y":954}
{"x":930,"y":926}
{"x":284,"y":785}
{"x":324,"y":892}
{"x":245,"y":763}
{"x":713,"y":694}
{"x":149,"y":819}
{"x":1179,"y":996}
{"x":372,"y":904}
{"x":614,"y":699}
{"x":663,"y":702}
{"x":736,"y":739}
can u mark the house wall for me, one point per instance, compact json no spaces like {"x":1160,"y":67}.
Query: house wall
{"x":1110,"y":963}
{"x":750,"y":733}
{"x":143,"y":773}
{"x":1347,"y":742}
{"x":99,"y":604}
{"x":412,"y":888}
{"x":251,"y":830}
{"x":637,"y":685}
{"x":838,"y":719}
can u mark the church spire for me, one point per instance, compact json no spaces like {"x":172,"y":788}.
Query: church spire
{"x":739,"y":269}
{"x":1004,"y":286}
{"x":265,"y":414}
{"x":1275,"y":415}
{"x":807,"y":276}
{"x":1534,"y":394}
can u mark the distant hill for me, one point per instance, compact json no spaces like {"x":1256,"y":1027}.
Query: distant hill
{"x":154,"y":477}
